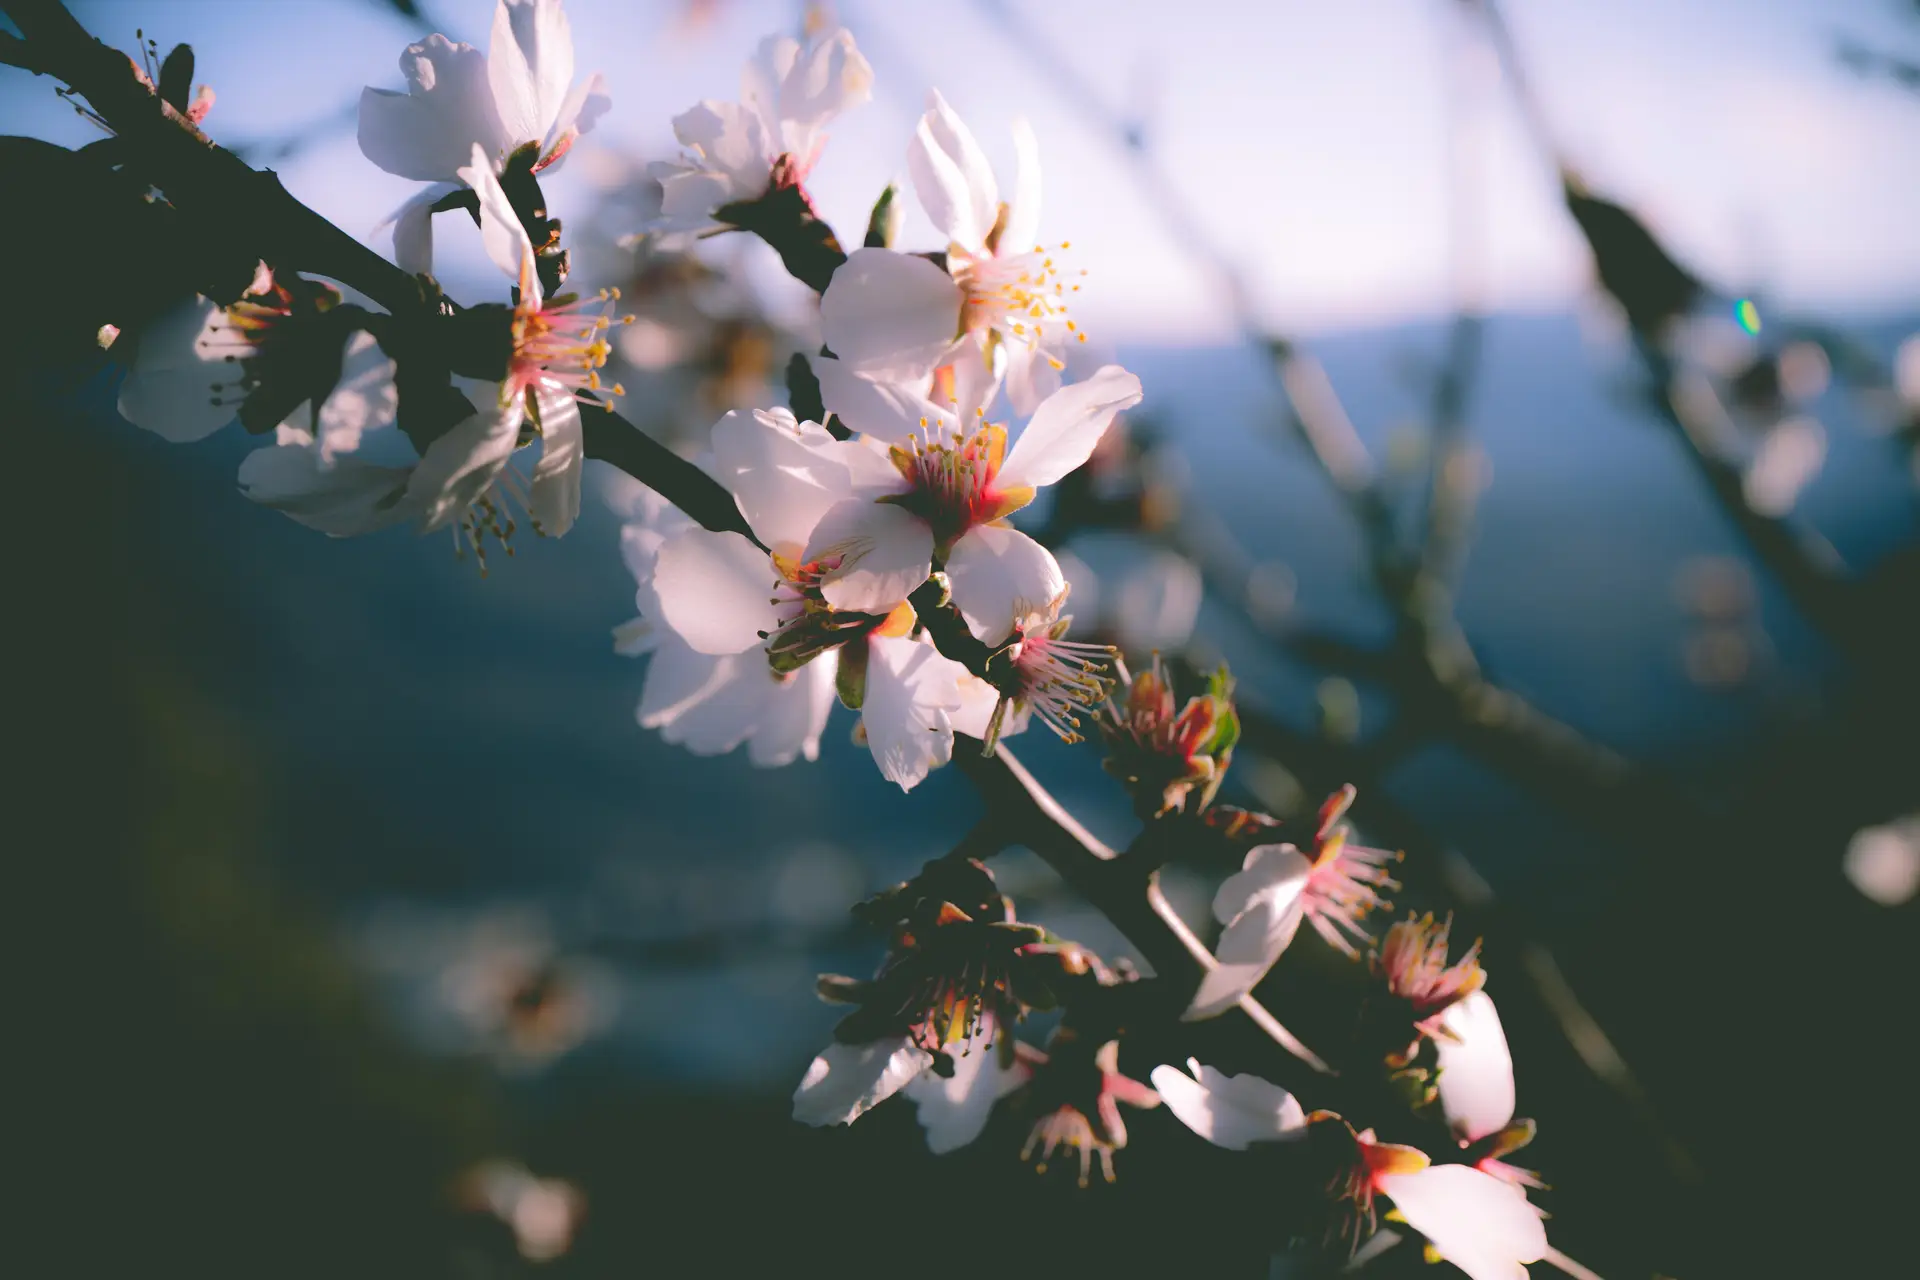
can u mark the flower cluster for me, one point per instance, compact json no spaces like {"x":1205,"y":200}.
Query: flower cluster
{"x":855,"y":545}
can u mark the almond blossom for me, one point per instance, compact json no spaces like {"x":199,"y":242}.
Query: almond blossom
{"x":712,"y":703}
{"x":896,"y":315}
{"x":1479,"y":1223}
{"x":737,"y":151}
{"x":1277,"y":887}
{"x":520,"y":92}
{"x":953,"y":483}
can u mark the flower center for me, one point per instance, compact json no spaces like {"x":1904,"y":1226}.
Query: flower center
{"x":808,"y":626}
{"x":1022,"y":297}
{"x":952,"y":472}
{"x":560,"y":343}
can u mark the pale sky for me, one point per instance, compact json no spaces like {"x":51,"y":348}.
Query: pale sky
{"x":1315,"y":139}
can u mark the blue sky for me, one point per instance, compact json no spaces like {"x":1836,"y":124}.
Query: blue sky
{"x":1318,"y":141}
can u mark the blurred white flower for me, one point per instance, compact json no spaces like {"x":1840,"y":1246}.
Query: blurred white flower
{"x":1884,"y":862}
{"x":894,"y":315}
{"x":773,"y":135}
{"x":1231,"y":1112}
{"x":189,"y":370}
{"x":543,"y":1213}
{"x":1156,"y":603}
{"x":521,"y":91}
{"x":847,"y":1080}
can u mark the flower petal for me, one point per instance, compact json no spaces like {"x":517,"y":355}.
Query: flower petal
{"x":173,"y":388}
{"x":715,"y":590}
{"x":886,"y":410}
{"x":1480,"y":1224}
{"x":505,"y":239}
{"x":1261,"y":908}
{"x":912,"y":691}
{"x":848,"y":1079}
{"x":553,"y":495}
{"x":1023,"y":210}
{"x":832,"y":76}
{"x":796,"y":714}
{"x":1067,"y":426}
{"x":1231,"y":1113}
{"x":952,"y":177}
{"x":884,"y":553}
{"x":955,"y":1109}
{"x":582,"y":109}
{"x":413,"y":229}
{"x":890,"y":315}
{"x":1476,"y":1068}
{"x":784,"y":474}
{"x":342,"y":498}
{"x":999,"y":576}
{"x":461,"y":464}
{"x":529,"y":66}
{"x":429,"y":131}
{"x":1031,"y":375}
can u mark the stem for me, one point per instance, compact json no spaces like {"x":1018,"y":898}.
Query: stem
{"x":1129,"y":897}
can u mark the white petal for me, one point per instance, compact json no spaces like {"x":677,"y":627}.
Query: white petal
{"x":952,"y":177}
{"x":364,"y":400}
{"x":829,"y":78}
{"x":1023,"y":210}
{"x":635,"y":637}
{"x":729,"y":139}
{"x":999,"y":576}
{"x":460,"y":465}
{"x":1230,"y":1113}
{"x":1031,"y":375}
{"x":341,"y":498}
{"x":715,"y":590}
{"x":553,"y":495}
{"x":1480,"y":1224}
{"x":885,"y":552}
{"x":1476,"y":1068}
{"x":678,"y":679}
{"x":796,"y":715}
{"x":911,"y":692}
{"x":976,"y":379}
{"x":784,"y":474}
{"x":723,"y":712}
{"x":529,"y":66}
{"x":1260,"y":906}
{"x":502,"y":235}
{"x":413,"y":229}
{"x":978,"y":699}
{"x":886,"y":410}
{"x":891,"y":315}
{"x":583,"y":108}
{"x":848,"y":1079}
{"x":1067,"y":426}
{"x":428,"y":132}
{"x":172,"y":389}
{"x":954,"y":1110}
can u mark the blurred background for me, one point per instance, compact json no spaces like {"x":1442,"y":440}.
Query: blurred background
{"x":1532,"y":404}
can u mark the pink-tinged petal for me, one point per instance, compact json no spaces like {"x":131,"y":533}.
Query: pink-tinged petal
{"x":999,"y":576}
{"x":1480,"y":1224}
{"x":1023,"y":210}
{"x":174,"y":387}
{"x":342,"y":498}
{"x":847,"y":1080}
{"x":529,"y":66}
{"x":1229,"y":1112}
{"x":911,"y":694}
{"x":890,"y":315}
{"x":502,"y":235}
{"x":1066,"y":427}
{"x":578,"y":114}
{"x":886,"y":410}
{"x":715,"y":590}
{"x":884,"y":552}
{"x":952,"y":177}
{"x":679,"y":679}
{"x":796,"y":715}
{"x":783,"y":474}
{"x":1476,"y":1068}
{"x":428,"y":132}
{"x":954,"y":1110}
{"x":462,"y":463}
{"x":553,"y":494}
